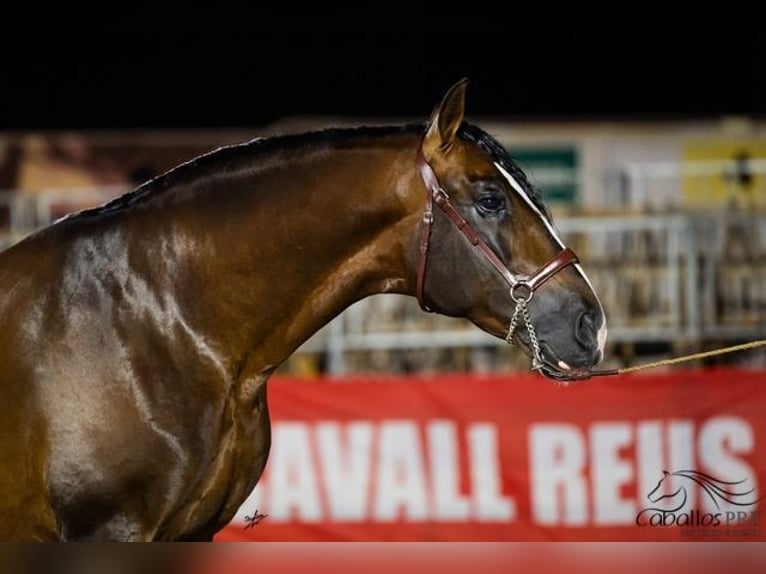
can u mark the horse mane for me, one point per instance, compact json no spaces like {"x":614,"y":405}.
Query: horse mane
{"x":717,"y":488}
{"x":701,"y":476}
{"x":232,"y":157}
{"x":229,"y":157}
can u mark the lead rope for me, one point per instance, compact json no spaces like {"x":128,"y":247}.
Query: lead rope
{"x":692,"y":357}
{"x":522,"y":311}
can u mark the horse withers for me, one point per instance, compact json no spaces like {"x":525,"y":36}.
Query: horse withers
{"x":139,"y":336}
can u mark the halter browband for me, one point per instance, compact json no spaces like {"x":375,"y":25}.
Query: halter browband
{"x":521,"y":287}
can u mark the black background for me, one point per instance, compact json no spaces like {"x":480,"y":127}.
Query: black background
{"x":209,"y":67}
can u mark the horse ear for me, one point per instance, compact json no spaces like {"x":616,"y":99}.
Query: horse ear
{"x":446,"y":119}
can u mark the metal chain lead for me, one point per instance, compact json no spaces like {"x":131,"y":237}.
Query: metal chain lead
{"x":514,"y":323}
{"x":523,"y":310}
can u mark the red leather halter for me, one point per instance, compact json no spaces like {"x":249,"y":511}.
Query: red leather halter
{"x":521,"y":286}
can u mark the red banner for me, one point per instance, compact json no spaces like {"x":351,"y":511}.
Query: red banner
{"x":670,"y":456}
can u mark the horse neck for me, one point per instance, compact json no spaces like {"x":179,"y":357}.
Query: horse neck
{"x":312,"y":234}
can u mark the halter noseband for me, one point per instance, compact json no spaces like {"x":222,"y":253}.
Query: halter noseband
{"x":522,"y":287}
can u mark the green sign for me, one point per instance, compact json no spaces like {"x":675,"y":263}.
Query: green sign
{"x":554,"y":171}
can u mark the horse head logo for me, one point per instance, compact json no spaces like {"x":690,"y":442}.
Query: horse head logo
{"x":672,"y":487}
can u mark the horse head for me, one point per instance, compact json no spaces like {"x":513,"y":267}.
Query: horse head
{"x":660,"y":492}
{"x":494,"y":199}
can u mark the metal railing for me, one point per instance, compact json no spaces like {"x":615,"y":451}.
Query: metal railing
{"x":666,"y":279}
{"x":679,"y":279}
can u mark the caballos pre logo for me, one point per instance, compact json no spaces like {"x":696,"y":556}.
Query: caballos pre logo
{"x":733,"y":504}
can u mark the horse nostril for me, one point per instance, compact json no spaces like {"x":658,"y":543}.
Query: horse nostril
{"x":585,"y":329}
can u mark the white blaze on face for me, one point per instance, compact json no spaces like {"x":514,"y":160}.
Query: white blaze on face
{"x":601,"y":336}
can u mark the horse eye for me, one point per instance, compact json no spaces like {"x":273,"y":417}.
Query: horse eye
{"x":491,"y":203}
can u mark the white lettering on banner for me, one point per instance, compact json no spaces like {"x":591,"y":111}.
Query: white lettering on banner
{"x":662,"y":447}
{"x":718,"y":439}
{"x":653,"y":457}
{"x":680,"y":454}
{"x":650,"y":458}
{"x":346,"y":463}
{"x":610,"y":472}
{"x":401,"y":488}
{"x":557,"y":461}
{"x":449,"y":503}
{"x":358,"y":485}
{"x":681,"y":443}
{"x":490,"y":505}
{"x":293,"y":470}
{"x":386,"y":471}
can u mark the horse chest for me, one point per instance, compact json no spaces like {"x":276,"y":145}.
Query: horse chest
{"x":238,"y":463}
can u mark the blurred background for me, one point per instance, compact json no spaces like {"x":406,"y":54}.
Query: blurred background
{"x":648,"y":141}
{"x":645,"y":136}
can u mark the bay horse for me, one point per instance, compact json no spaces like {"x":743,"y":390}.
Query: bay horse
{"x":138,"y":336}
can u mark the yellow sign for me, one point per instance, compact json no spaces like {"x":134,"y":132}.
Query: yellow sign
{"x":725,"y":173}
